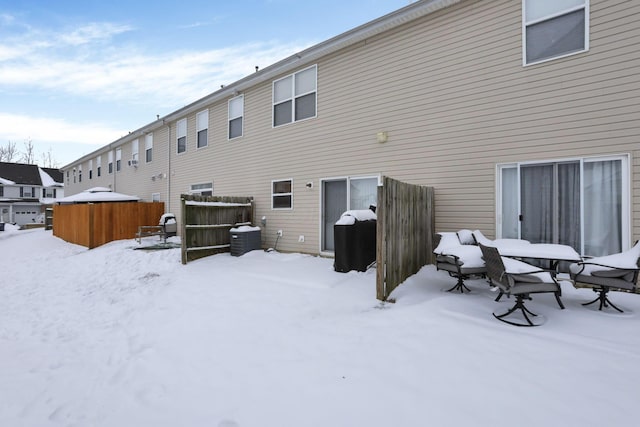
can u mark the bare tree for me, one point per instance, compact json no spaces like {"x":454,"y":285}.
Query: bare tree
{"x":8,"y":153}
{"x":47,"y":159}
{"x":29,"y":155}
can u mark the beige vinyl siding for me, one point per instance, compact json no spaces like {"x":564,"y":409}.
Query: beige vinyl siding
{"x":451,"y":92}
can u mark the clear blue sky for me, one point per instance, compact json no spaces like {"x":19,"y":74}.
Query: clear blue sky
{"x":76,"y":75}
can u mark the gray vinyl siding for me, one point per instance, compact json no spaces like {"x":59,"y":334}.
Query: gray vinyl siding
{"x":451,"y":92}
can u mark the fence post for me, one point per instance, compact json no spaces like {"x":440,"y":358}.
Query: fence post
{"x":380,"y":246}
{"x":183,"y":237}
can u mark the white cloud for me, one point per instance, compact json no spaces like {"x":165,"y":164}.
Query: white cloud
{"x":88,"y":63}
{"x":166,"y":80}
{"x":93,"y":32}
{"x":17,"y":128}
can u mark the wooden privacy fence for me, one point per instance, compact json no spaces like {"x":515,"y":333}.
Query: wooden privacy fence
{"x":94,"y":224}
{"x":405,"y":230}
{"x":206,"y":221}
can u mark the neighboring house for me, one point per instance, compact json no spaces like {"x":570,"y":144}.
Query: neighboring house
{"x":25,"y":190}
{"x":523,"y":115}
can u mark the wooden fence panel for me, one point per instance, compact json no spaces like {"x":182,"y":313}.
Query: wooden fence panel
{"x":94,"y":224}
{"x":405,"y":230}
{"x":71,"y":223}
{"x":206,"y":221}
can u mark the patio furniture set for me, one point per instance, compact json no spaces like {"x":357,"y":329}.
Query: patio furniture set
{"x":466,"y":254}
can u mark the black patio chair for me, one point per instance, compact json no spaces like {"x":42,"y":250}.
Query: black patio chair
{"x":603,"y":277}
{"x":520,"y":285}
{"x":453,"y":265}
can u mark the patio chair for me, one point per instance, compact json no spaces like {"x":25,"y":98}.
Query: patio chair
{"x":617,"y":272}
{"x":521,"y":281}
{"x":452,"y":260}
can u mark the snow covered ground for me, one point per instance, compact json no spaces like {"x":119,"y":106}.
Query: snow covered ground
{"x":121,"y":337}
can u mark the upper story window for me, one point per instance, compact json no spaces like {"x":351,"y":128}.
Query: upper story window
{"x":99,"y":165}
{"x":236,"y":112}
{"x":202,"y":127}
{"x":67,"y":177}
{"x":205,"y":189}
{"x":79,"y":173}
{"x":91,"y":169}
{"x":27,"y":192}
{"x":282,"y":194}
{"x":110,"y":162}
{"x":294,"y":97}
{"x":135,"y":146}
{"x":148,"y":148}
{"x":1,"y":191}
{"x":118,"y":159}
{"x":554,"y":28}
{"x":181,"y":135}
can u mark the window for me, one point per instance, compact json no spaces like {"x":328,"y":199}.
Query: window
{"x":148,"y":148}
{"x":294,"y":97}
{"x":99,"y":165}
{"x":1,"y":191}
{"x":79,"y":173}
{"x":74,"y":175}
{"x":282,"y":194}
{"x":135,"y":144}
{"x":110,"y":162}
{"x":205,"y":189}
{"x":181,"y":135}
{"x":582,"y":203}
{"x":202,"y":126}
{"x":49,"y":193}
{"x":91,"y":169}
{"x":27,"y":192}
{"x":67,"y":177}
{"x":118,"y":159}
{"x":155,"y":197}
{"x":554,"y":28}
{"x":236,"y":112}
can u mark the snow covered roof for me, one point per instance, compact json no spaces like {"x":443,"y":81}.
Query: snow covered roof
{"x":47,"y":180}
{"x":97,"y":195}
{"x":19,"y":173}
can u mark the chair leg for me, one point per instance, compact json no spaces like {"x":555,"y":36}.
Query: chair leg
{"x":519,"y":305}
{"x":557,"y":294}
{"x":460,"y":286}
{"x":603,"y":299}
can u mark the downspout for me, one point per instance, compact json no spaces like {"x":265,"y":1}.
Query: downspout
{"x":168,"y":208}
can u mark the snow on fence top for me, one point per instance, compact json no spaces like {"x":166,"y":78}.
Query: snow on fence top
{"x":222,"y":204}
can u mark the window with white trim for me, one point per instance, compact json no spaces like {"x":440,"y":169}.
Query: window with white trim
{"x":118,"y":159}
{"x":148,"y":148}
{"x":110,"y":167}
{"x":282,"y":194}
{"x":79,"y":173}
{"x":203,"y":189}
{"x":580,"y":202}
{"x":181,"y":136}
{"x":202,"y":128}
{"x":99,"y":165}
{"x":90,"y":168}
{"x":135,"y":145}
{"x":155,"y":197}
{"x":236,"y":113}
{"x":554,"y":28}
{"x":294,"y":97}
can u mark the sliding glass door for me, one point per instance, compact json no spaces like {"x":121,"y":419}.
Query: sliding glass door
{"x":340,"y":195}
{"x":579,"y":203}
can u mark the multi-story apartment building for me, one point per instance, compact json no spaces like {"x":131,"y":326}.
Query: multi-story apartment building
{"x":523,"y":115}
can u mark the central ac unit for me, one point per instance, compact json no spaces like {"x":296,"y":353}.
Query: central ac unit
{"x":133,"y":162}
